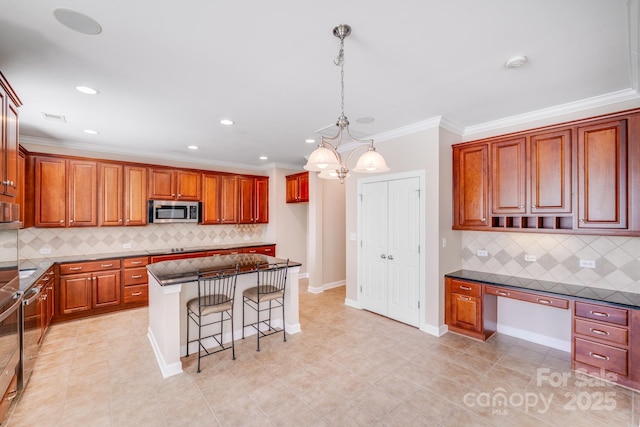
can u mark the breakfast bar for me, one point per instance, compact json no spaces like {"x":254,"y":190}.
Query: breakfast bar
{"x":173,"y":283}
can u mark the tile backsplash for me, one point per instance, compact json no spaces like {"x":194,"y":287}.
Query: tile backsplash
{"x":101,"y":240}
{"x":617,"y":259}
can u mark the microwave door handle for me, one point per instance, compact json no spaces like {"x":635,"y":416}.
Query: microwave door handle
{"x":8,"y":312}
{"x":35,"y":291}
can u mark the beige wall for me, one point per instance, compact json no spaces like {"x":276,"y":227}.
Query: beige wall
{"x":333,"y":234}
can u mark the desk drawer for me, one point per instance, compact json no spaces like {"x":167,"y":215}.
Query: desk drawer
{"x":602,"y":313}
{"x":601,"y":331}
{"x":136,"y":293}
{"x":136,"y":262}
{"x":602,"y":356}
{"x":466,"y":288}
{"x":135,"y":276}
{"x":527,"y":296}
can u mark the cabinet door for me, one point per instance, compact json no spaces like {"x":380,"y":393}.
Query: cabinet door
{"x":135,"y":195}
{"x":551,"y":172}
{"x":470,"y":186}
{"x":292,"y":189}
{"x":20,"y":198}
{"x":75,"y":293}
{"x":211,"y":198}
{"x":262,"y":200}
{"x":50,"y":192}
{"x":246,"y":199}
{"x":106,"y":288}
{"x":466,"y":312}
{"x":303,"y":187}
{"x":110,"y":194}
{"x":188,"y":185}
{"x":161,"y":184}
{"x":83,"y":193}
{"x":508,"y":177}
{"x":229,"y":200}
{"x":602,"y":175}
{"x":11,"y":150}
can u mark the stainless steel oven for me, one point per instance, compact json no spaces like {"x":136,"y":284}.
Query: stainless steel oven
{"x":166,"y":211}
{"x":31,"y":339}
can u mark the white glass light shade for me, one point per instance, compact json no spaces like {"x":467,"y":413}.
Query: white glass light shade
{"x":371,"y":162}
{"x":331,"y":174}
{"x":322,"y":159}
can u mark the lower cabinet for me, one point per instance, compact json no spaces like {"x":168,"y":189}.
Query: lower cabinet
{"x":135,"y":281}
{"x":86,"y":286}
{"x":9,"y":395}
{"x":464,"y":312}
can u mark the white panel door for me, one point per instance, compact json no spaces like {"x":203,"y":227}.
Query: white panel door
{"x":403,"y":257}
{"x":390,"y":272}
{"x":374,"y":221}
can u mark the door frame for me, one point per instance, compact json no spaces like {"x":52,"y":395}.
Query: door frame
{"x":421,"y":175}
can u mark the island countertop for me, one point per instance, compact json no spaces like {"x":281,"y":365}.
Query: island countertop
{"x":186,"y":270}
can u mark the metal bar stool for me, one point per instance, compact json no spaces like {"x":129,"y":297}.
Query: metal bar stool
{"x":270,"y":289}
{"x":213,"y":306}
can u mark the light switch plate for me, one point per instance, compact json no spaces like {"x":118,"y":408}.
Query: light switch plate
{"x":530,"y":258}
{"x":482,"y":252}
{"x":587,"y":263}
{"x":45,"y":251}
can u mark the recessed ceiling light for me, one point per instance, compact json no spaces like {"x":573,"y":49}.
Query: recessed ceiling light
{"x":264,"y":158}
{"x":516,"y":61}
{"x":192,"y":147}
{"x":310,"y":140}
{"x":226,"y":122}
{"x":76,"y":21}
{"x":91,"y":131}
{"x":88,"y":90}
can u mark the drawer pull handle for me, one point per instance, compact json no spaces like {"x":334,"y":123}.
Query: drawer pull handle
{"x":106,"y":265}
{"x":136,"y":262}
{"x":503,"y":294}
{"x":599,"y":332}
{"x":465,"y":288}
{"x":137,"y":276}
{"x":136,"y":294}
{"x":75,"y":268}
{"x":544,"y":301}
{"x":464,"y":298}
{"x":598,"y":356}
{"x":599,"y":313}
{"x":252,"y":251}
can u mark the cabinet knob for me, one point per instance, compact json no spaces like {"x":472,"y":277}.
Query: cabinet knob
{"x":484,"y":219}
{"x":521,"y":206}
{"x":128,"y":220}
{"x":533,"y":206}
{"x":581,"y":219}
{"x":390,"y":257}
{"x":61,"y":221}
{"x":70,"y":221}
{"x":173,"y":194}
{"x":119,"y":219}
{"x":383,"y":256}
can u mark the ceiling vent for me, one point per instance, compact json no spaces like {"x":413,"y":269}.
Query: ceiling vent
{"x":54,"y":117}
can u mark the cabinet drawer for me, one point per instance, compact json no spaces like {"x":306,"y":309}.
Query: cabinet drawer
{"x":602,"y":356}
{"x":600,"y":331}
{"x":264,"y":250}
{"x":527,"y":296}
{"x":84,"y":267}
{"x":136,"y":293}
{"x":466,"y":288}
{"x":135,"y":262}
{"x":603,"y":313}
{"x":135,"y":276}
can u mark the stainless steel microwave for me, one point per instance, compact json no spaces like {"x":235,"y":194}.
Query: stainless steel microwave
{"x":166,"y":211}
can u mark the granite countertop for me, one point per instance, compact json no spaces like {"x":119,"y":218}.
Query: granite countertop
{"x":587,"y":293}
{"x":40,"y":265}
{"x":186,"y":270}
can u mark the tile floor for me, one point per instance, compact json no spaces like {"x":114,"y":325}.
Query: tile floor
{"x":347,"y":368}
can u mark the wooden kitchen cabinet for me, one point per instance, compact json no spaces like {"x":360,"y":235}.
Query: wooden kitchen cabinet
{"x":551,"y":172}
{"x":172,"y":184}
{"x":21,"y":196}
{"x":602,"y":175}
{"x":123,"y":195}
{"x":219,"y":199}
{"x":464,"y":309}
{"x":91,"y":285}
{"x":135,"y":281}
{"x":508,"y":176}
{"x":297,"y":187}
{"x":82,"y":178}
{"x":254,"y":200}
{"x":135,"y":195}
{"x":9,"y":104}
{"x":111,"y":199}
{"x":471,"y":185}
{"x":50,"y":192}
{"x":264,"y":250}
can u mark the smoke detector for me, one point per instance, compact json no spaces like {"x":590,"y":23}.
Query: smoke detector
{"x":516,"y":61}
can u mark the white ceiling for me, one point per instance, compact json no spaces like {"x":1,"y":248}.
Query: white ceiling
{"x":168,"y":71}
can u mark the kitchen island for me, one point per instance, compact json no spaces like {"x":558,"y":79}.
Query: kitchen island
{"x":173,"y":283}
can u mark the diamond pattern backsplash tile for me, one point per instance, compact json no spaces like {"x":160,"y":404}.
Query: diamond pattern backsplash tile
{"x":102,"y":240}
{"x":558,"y":258}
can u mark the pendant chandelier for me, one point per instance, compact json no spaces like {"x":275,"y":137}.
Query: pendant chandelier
{"x":325,"y":158}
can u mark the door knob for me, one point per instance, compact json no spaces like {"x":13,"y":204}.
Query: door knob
{"x":390,"y":257}
{"x":383,"y":256}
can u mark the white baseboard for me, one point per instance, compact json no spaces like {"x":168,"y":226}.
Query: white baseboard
{"x":436,"y":331}
{"x":552,"y":342}
{"x":352,"y":303}
{"x":325,"y":286}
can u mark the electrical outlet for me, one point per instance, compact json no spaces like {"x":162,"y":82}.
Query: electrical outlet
{"x":126,"y":246}
{"x":530,"y":258}
{"x":45,"y":251}
{"x":482,"y":252}
{"x":444,"y":242}
{"x":587,"y":263}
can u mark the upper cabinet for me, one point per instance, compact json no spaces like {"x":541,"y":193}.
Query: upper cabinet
{"x":172,"y":184}
{"x":82,"y":179}
{"x":219,"y":199}
{"x":297,"y":187}
{"x":577,"y":177}
{"x":135,"y":195}
{"x":9,"y":103}
{"x":122,"y":195}
{"x":50,"y":192}
{"x":254,"y":200}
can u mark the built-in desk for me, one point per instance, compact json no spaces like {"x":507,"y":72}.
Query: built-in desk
{"x":603,"y":321}
{"x":173,"y":283}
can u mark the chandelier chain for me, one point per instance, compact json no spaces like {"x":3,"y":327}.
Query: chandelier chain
{"x":339,"y":61}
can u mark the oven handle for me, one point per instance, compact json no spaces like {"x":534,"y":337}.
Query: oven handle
{"x":8,"y":312}
{"x":36,"y":291}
